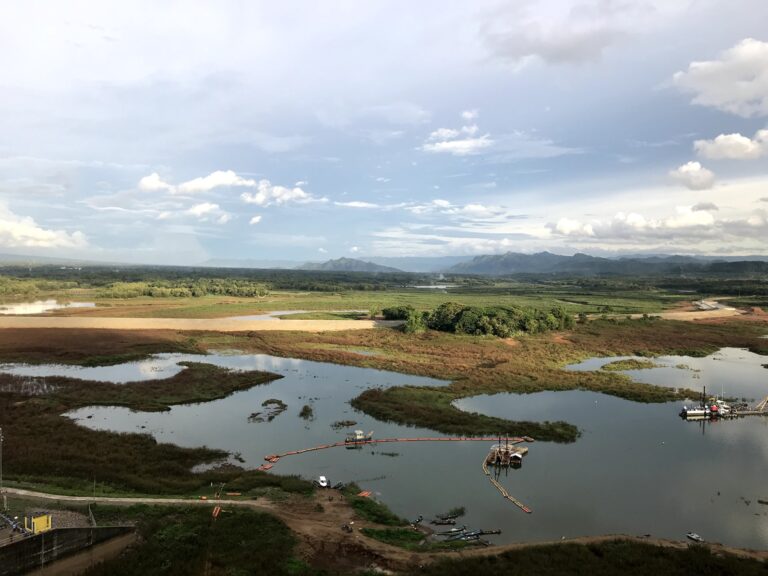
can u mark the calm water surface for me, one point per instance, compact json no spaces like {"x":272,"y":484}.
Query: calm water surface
{"x":636,"y":469}
{"x":40,"y":306}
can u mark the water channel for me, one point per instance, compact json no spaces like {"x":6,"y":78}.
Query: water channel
{"x":636,"y":469}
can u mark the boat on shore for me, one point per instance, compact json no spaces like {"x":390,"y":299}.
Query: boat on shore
{"x":695,"y":537}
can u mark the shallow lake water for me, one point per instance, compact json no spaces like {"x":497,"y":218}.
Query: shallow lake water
{"x":40,"y":306}
{"x":636,"y":469}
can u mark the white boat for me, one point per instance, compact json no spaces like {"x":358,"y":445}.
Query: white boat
{"x":691,"y":413}
{"x":695,"y":537}
{"x":358,"y":436}
{"x":322,"y":481}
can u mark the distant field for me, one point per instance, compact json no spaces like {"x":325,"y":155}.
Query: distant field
{"x":575,"y":301}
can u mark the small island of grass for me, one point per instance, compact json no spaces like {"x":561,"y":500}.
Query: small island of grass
{"x":630,"y":364}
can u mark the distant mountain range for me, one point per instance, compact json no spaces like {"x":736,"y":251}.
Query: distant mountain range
{"x":347,"y":265}
{"x":488,"y":265}
{"x":585,"y":265}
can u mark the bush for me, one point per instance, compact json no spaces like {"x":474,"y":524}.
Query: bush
{"x":398,"y":312}
{"x":414,"y":323}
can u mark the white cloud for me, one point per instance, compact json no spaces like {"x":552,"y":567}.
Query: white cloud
{"x":268,"y":194}
{"x":633,"y":225}
{"x":22,"y":231}
{"x":459,"y":142}
{"x":503,"y":148}
{"x":693,"y":176}
{"x":214,"y":180}
{"x":322,"y":251}
{"x":383,"y":179}
{"x":733,"y":146}
{"x":357,"y":204}
{"x":568,"y":227}
{"x":217,"y":179}
{"x":209,"y":212}
{"x":265,"y":194}
{"x":153,"y":183}
{"x":255,"y":220}
{"x":737,"y":82}
{"x":354,"y":249}
{"x":559,"y":32}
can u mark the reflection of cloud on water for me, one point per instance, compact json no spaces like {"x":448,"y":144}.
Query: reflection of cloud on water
{"x":39,"y":306}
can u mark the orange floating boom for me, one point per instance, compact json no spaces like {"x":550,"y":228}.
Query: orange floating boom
{"x":514,"y":440}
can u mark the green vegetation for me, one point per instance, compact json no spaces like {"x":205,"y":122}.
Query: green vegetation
{"x":370,"y":509}
{"x":398,"y":312}
{"x":307,"y":412}
{"x":609,"y":558}
{"x":274,"y":407}
{"x":184,"y":288}
{"x":187,"y":541}
{"x":44,"y":447}
{"x":630,"y":364}
{"x":432,"y":408}
{"x":497,"y":321}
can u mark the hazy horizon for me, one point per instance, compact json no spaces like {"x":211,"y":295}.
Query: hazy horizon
{"x":180,"y":133}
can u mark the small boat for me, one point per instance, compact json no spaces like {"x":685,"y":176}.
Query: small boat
{"x":358,"y":436}
{"x":694,"y":413}
{"x":695,"y":537}
{"x":446,"y":522}
{"x":322,"y":482}
{"x":452,"y":531}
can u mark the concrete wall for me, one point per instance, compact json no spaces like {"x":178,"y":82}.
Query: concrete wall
{"x":31,"y":552}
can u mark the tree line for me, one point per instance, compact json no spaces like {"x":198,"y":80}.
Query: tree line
{"x":501,"y":321}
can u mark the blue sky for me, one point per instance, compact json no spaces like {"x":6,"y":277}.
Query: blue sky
{"x":176,"y":132}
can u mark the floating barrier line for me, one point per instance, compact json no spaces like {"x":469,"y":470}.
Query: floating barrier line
{"x":504,"y":492}
{"x":272,"y":458}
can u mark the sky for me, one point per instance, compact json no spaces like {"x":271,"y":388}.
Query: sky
{"x":183,"y":132}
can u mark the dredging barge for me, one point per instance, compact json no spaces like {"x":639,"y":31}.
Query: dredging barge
{"x":505,"y":454}
{"x":714,"y":408}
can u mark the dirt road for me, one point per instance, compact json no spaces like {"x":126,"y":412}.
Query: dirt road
{"x":205,"y":324}
{"x":317,"y":524}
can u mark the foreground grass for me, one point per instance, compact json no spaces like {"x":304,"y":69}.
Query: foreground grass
{"x":188,"y":541}
{"x":618,"y":557}
{"x":370,"y":509}
{"x":412,"y":539}
{"x":44,"y":447}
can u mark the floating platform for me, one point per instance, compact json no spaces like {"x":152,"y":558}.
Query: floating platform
{"x":505,"y":455}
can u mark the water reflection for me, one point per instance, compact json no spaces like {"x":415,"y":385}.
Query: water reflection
{"x":734,"y":372}
{"x":40,"y":306}
{"x":636,"y":469}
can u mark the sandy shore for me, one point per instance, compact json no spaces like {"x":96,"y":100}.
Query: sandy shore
{"x":206,"y":324}
{"x":695,"y":314}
